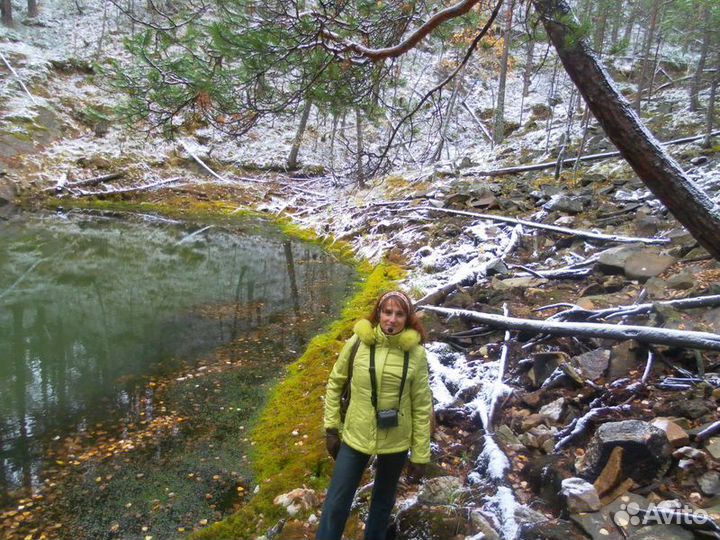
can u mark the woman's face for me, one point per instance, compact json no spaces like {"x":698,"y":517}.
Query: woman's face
{"x":392,"y":317}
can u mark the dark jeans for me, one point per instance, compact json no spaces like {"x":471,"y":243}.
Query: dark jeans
{"x":349,"y":468}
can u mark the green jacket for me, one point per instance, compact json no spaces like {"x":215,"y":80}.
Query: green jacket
{"x":360,"y":430}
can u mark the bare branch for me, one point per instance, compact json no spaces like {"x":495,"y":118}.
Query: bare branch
{"x":532,"y":224}
{"x":376,"y":55}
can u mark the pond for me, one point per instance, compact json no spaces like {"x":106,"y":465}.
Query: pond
{"x":133,"y":351}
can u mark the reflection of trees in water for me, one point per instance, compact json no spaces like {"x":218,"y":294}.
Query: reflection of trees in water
{"x":85,"y":329}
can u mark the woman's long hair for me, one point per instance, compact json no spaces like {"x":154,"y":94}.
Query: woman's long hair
{"x":402,"y":300}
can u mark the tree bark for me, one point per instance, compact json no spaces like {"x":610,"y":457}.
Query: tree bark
{"x":6,"y":11}
{"x":661,"y":174}
{"x":32,"y":8}
{"x":292,"y":158}
{"x":710,"y":115}
{"x":499,"y":124}
{"x":647,"y":44}
{"x":359,"y":133}
{"x":697,"y":78}
{"x":634,"y":8}
{"x":617,"y":16}
{"x":600,"y":23}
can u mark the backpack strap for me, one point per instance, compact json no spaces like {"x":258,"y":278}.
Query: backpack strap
{"x":351,"y":360}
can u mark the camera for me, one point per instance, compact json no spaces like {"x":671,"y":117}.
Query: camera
{"x":387,"y":418}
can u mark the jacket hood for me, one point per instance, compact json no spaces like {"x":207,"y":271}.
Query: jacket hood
{"x":405,"y":340}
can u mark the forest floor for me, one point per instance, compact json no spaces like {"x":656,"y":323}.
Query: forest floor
{"x":516,"y":414}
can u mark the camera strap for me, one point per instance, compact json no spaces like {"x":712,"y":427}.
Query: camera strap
{"x":373,"y":380}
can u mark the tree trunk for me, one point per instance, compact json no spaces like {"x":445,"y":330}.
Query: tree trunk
{"x":710,"y":116}
{"x":697,"y":79}
{"x":448,"y":117}
{"x":32,"y":8}
{"x":6,"y":11}
{"x":647,"y":44}
{"x":661,"y":174}
{"x":634,"y":8}
{"x":617,"y":17}
{"x":527,"y":73}
{"x":600,"y":23}
{"x":358,"y":131}
{"x":292,"y":158}
{"x":499,"y":124}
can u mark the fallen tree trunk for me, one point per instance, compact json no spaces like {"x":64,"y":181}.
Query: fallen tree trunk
{"x":570,"y":161}
{"x":95,"y":180}
{"x":81,"y":193}
{"x":532,"y":224}
{"x":645,"y":334}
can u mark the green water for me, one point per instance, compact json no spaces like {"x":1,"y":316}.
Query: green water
{"x":92,"y":307}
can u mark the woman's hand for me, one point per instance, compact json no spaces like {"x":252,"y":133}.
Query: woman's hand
{"x":415,"y":472}
{"x":332,"y":442}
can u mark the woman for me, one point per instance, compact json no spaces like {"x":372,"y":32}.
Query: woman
{"x":388,"y":414}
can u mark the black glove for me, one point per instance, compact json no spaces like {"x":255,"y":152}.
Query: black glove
{"x":332,"y":442}
{"x":415,"y":472}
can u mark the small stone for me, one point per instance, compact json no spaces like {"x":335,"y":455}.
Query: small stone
{"x":613,"y":260}
{"x":676,"y":435}
{"x":581,"y":495}
{"x":440,"y":490}
{"x":531,"y":421}
{"x":710,"y":483}
{"x":553,"y":411}
{"x":682,"y":281}
{"x":516,"y":283}
{"x":593,"y":364}
{"x":713,"y":446}
{"x":611,"y":473}
{"x":646,"y":263}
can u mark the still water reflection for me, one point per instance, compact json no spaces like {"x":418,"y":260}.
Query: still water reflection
{"x":91,"y":306}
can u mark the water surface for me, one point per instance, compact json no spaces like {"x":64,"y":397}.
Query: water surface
{"x":93,"y":307}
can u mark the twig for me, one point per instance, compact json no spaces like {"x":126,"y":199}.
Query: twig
{"x":568,"y":162}
{"x":638,"y":309}
{"x":580,"y":425}
{"x":201,"y":162}
{"x":129,"y":189}
{"x":193,"y":234}
{"x":18,"y":78}
{"x":498,"y":385}
{"x":554,"y":228}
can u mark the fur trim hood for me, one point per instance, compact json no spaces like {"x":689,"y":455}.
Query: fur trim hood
{"x":406,"y":340}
